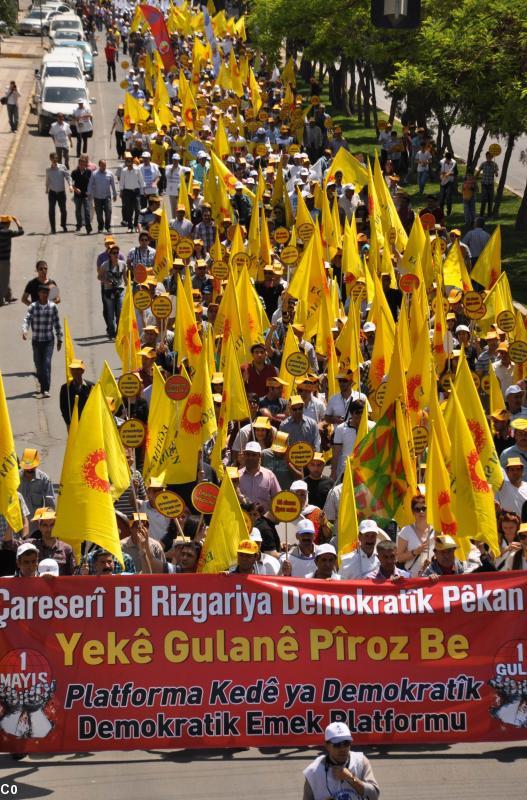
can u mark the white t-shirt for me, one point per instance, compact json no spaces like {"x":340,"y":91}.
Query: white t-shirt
{"x":356,"y":566}
{"x":346,"y":436}
{"x":423,"y":160}
{"x":409,"y":535}
{"x":83,"y":120}
{"x":511,"y":498}
{"x":60,"y":133}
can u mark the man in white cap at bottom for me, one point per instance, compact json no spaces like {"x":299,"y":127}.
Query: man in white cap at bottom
{"x":300,"y":560}
{"x":340,"y":774}
{"x":325,"y":564}
{"x":358,"y":565}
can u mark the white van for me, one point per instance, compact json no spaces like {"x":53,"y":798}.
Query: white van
{"x":59,"y":95}
{"x":62,"y":65}
{"x":65,"y":22}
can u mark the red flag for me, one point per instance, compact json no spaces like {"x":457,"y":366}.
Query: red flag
{"x":157,"y":23}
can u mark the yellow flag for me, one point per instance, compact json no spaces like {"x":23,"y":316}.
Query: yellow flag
{"x":193,"y":427}
{"x":414,"y":247}
{"x":118,"y":470}
{"x":437,"y":422}
{"x":290,"y":347}
{"x":133,"y":111}
{"x":348,"y":341}
{"x":221,"y":143}
{"x":439,"y":497}
{"x":288,"y":73}
{"x":187,"y":341}
{"x":382,"y":349}
{"x":109,"y":385}
{"x":85,"y":502}
{"x":497,"y":403}
{"x":440,"y":329}
{"x":348,"y":527}
{"x":228,"y":323}
{"x":396,"y":383}
{"x":69,"y":350}
{"x":488,"y":266}
{"x":9,"y":477}
{"x":391,"y":221}
{"x":127,"y":341}
{"x":419,"y":375}
{"x":473,"y":499}
{"x":236,"y":81}
{"x":234,"y":404}
{"x":455,"y":270}
{"x":189,"y":110}
{"x":253,"y":319}
{"x":162,"y":100}
{"x":254,"y":88}
{"x":159,"y":415}
{"x":226,"y":530}
{"x":352,"y":170}
{"x":163,"y":257}
{"x":477,"y":423}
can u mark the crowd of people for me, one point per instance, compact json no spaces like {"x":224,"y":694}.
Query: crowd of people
{"x":243,"y":168}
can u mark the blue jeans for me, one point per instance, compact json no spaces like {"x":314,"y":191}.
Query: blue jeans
{"x":82,"y":209}
{"x":112,"y":301}
{"x":103,"y":210}
{"x":469,"y":210}
{"x":422,"y":178}
{"x":42,"y":352}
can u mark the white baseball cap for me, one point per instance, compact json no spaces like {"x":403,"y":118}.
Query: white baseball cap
{"x":514,"y":389}
{"x":25,"y":548}
{"x":369,"y":327}
{"x":325,"y":548}
{"x":299,"y":486}
{"x":253,"y":447}
{"x":368,"y":526}
{"x":305,"y":526}
{"x":48,"y":566}
{"x":337,"y":732}
{"x":255,"y":535}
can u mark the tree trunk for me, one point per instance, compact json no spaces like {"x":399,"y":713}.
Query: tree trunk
{"x":393,"y":109}
{"x":352,"y":89}
{"x":306,"y":69}
{"x":472,"y":145}
{"x":521,"y":219}
{"x":360,"y":85}
{"x":373,"y":98}
{"x":365,"y":91}
{"x":503,"y":177}
{"x":479,"y":148}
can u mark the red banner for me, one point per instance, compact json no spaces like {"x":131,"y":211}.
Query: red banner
{"x":198,"y":661}
{"x":158,"y":26}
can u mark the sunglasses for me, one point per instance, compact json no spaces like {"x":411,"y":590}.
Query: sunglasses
{"x":343,"y":380}
{"x":420,"y":509}
{"x":340,"y":744}
{"x":522,"y":536}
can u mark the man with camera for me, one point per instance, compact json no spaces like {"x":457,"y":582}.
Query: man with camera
{"x":340,"y":774}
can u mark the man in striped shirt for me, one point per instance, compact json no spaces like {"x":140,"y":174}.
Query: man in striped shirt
{"x":43,"y":319}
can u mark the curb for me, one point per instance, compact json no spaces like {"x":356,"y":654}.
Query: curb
{"x":19,"y":55}
{"x":15,"y":144}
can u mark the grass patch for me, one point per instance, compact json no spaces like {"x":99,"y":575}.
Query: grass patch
{"x":514,"y":243}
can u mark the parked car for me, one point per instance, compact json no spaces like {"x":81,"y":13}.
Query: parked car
{"x":59,"y":96}
{"x":85,"y":51}
{"x":63,"y":23}
{"x":36,"y":21}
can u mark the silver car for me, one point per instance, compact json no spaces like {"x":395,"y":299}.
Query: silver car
{"x":37,"y":22}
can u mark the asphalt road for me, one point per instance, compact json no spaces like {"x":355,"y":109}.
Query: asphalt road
{"x":436,"y":773}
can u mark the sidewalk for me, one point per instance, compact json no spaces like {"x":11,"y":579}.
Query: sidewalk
{"x":19,"y":58}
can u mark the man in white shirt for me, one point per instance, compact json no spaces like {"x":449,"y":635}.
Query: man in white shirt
{"x":300,"y":560}
{"x":513,"y":493}
{"x":363,"y":561}
{"x":345,"y":437}
{"x":447,"y":173}
{"x":60,"y":132}
{"x":325,"y":564}
{"x":158,"y":523}
{"x":503,"y":367}
{"x":349,"y":201}
{"x":131,"y":185}
{"x":173,"y":178}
